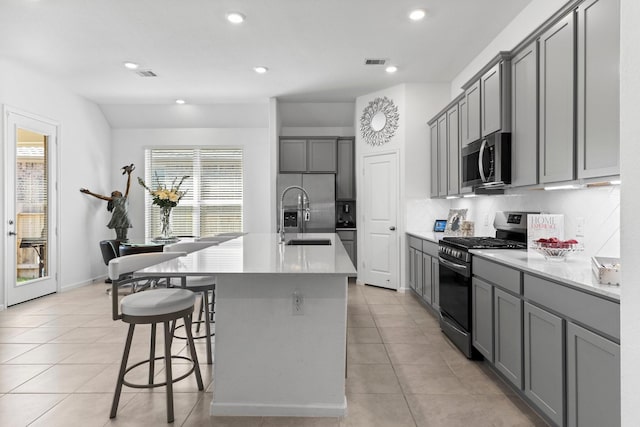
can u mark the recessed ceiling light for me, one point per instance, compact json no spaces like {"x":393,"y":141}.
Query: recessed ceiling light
{"x":260,"y":69}
{"x":131,"y":65}
{"x":235,"y":17}
{"x":417,"y":15}
{"x":180,"y":101}
{"x":391,"y":69}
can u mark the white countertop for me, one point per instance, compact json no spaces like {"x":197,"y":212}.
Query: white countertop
{"x":574,"y":271}
{"x":256,"y":253}
{"x":426,"y":235}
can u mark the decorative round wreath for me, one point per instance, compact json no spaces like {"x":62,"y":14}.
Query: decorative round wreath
{"x":390,"y":111}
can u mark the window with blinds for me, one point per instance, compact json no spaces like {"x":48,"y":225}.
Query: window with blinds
{"x":214,"y":192}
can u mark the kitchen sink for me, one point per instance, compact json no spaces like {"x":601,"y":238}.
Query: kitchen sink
{"x":317,"y":242}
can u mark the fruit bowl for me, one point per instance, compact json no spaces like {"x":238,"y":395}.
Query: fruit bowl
{"x":557,"y":250}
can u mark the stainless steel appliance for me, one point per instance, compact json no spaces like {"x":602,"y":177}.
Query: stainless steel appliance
{"x":486,"y":164}
{"x":321,"y":209}
{"x":455,"y":274}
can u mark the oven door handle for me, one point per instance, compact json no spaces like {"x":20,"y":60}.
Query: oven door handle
{"x":460,"y":268}
{"x":483,"y":146}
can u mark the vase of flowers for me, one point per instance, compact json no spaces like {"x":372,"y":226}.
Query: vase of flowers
{"x":166,"y":198}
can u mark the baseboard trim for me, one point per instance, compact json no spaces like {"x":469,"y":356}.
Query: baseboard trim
{"x":273,"y":410}
{"x":77,"y":285}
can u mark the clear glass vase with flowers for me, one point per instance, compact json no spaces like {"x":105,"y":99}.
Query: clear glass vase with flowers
{"x":167,"y":198}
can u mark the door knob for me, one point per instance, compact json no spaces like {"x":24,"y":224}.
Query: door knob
{"x":13,"y":233}
{"x":392,"y":228}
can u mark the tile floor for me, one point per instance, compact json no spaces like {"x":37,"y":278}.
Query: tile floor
{"x":59,"y":358}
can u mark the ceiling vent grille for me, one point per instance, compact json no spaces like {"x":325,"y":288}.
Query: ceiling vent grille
{"x":146,"y":73}
{"x":374,"y":61}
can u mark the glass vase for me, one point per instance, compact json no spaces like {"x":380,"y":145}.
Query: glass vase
{"x":165,"y":223}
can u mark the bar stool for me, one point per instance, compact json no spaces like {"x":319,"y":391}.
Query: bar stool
{"x":150,"y":308}
{"x":202,"y":285}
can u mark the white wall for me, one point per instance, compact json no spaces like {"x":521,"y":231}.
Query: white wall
{"x":316,"y":118}
{"x":537,"y":12}
{"x":129,"y":144}
{"x":416,"y":103}
{"x":630,"y":206}
{"x":85,"y":161}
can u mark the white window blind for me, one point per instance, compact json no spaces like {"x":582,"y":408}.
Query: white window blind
{"x":213,"y":202}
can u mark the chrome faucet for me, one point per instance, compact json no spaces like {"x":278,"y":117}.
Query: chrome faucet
{"x":305,"y":206}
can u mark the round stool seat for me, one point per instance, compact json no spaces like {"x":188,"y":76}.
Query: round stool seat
{"x":157,"y":302}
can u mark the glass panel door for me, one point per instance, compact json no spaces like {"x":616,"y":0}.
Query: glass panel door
{"x":31,"y":240}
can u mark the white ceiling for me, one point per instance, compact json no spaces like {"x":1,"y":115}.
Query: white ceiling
{"x":315,"y":49}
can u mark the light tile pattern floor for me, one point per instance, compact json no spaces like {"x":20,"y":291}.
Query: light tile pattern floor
{"x":59,"y":359}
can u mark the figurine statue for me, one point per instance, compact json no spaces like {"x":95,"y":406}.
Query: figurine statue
{"x":118,"y":204}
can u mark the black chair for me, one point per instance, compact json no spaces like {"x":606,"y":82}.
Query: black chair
{"x":132,"y":250}
{"x":110,"y":250}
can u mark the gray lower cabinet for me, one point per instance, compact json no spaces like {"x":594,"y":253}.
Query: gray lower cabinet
{"x":524,"y":117}
{"x":417,"y":263}
{"x":348,"y":238}
{"x":543,"y":361}
{"x":593,"y":379}
{"x":411,"y":269}
{"x":427,"y":279}
{"x":434,"y":159}
{"x":482,"y":317}
{"x":557,"y":101}
{"x":598,"y":95}
{"x":508,"y":336}
{"x":345,"y":176}
{"x":435,"y":274}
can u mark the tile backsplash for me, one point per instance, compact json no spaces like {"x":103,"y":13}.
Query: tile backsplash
{"x":599,"y":208}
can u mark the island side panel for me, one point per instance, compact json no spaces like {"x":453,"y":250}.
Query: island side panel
{"x":271,"y":362}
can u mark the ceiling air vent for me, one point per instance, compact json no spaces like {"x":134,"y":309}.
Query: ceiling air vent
{"x":146,"y":73}
{"x":374,"y":61}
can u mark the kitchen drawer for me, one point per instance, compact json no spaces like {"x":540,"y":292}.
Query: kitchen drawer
{"x":501,"y":276}
{"x":594,"y":312}
{"x":430,"y":248}
{"x":415,"y":243}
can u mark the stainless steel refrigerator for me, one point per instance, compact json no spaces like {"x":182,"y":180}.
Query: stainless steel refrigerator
{"x":322,"y":198}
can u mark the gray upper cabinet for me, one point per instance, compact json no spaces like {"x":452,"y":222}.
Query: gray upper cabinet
{"x":345,"y":177}
{"x":299,"y":155}
{"x":434,"y":159}
{"x":543,"y":361}
{"x":494,"y":97}
{"x":524,"y":117}
{"x":598,"y":88}
{"x":508,"y":336}
{"x":557,"y":102}
{"x":321,"y":155}
{"x":593,"y":379}
{"x":442,"y":155}
{"x":293,"y":155}
{"x":471,"y":129}
{"x":482,"y":317}
{"x":453,"y":144}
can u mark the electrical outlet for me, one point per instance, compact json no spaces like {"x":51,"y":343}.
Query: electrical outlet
{"x":580,"y":223}
{"x":298,"y":304}
{"x":486,"y":220}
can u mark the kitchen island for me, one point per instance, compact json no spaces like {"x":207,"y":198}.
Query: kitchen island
{"x":281,"y":322}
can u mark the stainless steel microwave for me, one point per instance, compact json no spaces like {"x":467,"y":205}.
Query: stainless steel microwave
{"x":487,"y":162}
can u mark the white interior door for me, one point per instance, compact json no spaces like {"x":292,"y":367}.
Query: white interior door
{"x":380,"y":214}
{"x":31,"y":204}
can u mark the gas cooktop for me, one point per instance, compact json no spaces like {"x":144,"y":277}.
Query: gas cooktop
{"x":483,"y":243}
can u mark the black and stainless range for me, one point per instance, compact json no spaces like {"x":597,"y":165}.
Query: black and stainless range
{"x":455,"y":274}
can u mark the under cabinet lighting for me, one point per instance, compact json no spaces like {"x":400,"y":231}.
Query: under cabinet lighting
{"x":616,"y":182}
{"x":235,"y":17}
{"x":469,"y":196}
{"x":452,"y":197}
{"x":563,"y":187}
{"x":417,"y":15}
